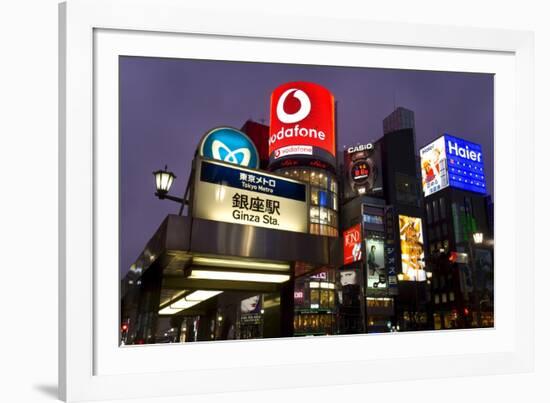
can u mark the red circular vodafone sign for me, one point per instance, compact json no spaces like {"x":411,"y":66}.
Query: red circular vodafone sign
{"x":302,"y":124}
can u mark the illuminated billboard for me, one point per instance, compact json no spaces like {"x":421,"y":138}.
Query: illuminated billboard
{"x":376,"y":271}
{"x":302,"y":124}
{"x":362,"y":170}
{"x":233,"y":194}
{"x":451,"y":161}
{"x":412,"y":248}
{"x":352,"y":244}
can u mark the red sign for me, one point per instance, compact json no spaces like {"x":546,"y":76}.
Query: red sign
{"x":302,"y":121}
{"x":352,"y":244}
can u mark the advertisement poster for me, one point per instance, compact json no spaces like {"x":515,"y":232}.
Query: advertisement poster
{"x":362,"y":170}
{"x":376,"y":271}
{"x":412,"y":248}
{"x":433,"y":165}
{"x":352,"y":244}
{"x":251,"y":310}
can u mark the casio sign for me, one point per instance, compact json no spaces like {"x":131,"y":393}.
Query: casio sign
{"x":361,"y":147}
{"x":463,"y":152}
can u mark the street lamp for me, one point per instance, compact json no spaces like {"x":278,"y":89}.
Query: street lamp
{"x":478,"y":237}
{"x":163,"y":181}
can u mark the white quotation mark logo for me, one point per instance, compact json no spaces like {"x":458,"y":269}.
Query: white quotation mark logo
{"x":305,"y":106}
{"x":231,"y":156}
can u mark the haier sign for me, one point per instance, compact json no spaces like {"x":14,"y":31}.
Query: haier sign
{"x":451,"y":161}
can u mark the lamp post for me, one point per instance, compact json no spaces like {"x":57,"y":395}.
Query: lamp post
{"x":477,"y":238}
{"x":163,"y":182}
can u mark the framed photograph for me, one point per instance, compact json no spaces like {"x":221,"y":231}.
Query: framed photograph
{"x":252,"y":202}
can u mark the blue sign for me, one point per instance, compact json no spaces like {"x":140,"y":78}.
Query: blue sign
{"x":252,"y":181}
{"x":465,"y":164}
{"x":229,"y":145}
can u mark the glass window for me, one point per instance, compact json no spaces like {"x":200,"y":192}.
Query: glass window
{"x":442,"y":207}
{"x":334,"y":201}
{"x":314,"y":296}
{"x":429,"y":213}
{"x":323,"y":198}
{"x":314,"y":178}
{"x":333,"y":186}
{"x":443,"y":298}
{"x":314,"y":214}
{"x":444,"y":230}
{"x":314,"y":196}
{"x":314,"y":228}
{"x":324,"y":298}
{"x":451,"y":296}
{"x":323,"y":181}
{"x":332,"y":218}
{"x":323,"y":215}
{"x":436,"y":298}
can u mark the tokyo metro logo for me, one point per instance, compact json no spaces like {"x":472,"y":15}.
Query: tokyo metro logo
{"x":223,"y":153}
{"x":301,"y":114}
{"x":230,"y":145}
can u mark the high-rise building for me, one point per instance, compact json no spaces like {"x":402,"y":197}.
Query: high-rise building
{"x":459,"y":232}
{"x":399,"y":119}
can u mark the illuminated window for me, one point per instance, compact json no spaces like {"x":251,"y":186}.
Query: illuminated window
{"x":323,"y":215}
{"x":314,"y":197}
{"x":451,"y":296}
{"x":436,"y":298}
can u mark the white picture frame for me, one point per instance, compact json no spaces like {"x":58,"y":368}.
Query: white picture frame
{"x":92,"y":366}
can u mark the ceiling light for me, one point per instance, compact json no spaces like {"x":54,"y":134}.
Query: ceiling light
{"x":238,"y":276}
{"x":243,"y":264}
{"x":189,"y":301}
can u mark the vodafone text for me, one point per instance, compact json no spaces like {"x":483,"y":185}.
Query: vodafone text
{"x":296,"y":131}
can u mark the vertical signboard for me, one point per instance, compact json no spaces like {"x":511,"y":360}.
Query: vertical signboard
{"x":352,"y":244}
{"x":412,"y":248}
{"x":376,"y":267}
{"x":390,"y":252}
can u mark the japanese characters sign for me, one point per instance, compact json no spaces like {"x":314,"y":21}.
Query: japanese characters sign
{"x":224,"y":192}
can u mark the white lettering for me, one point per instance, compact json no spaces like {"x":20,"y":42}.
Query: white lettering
{"x":297,"y":131}
{"x":463,"y":152}
{"x":361,"y":147}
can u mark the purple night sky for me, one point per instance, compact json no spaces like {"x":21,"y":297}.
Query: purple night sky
{"x":166,"y":105}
